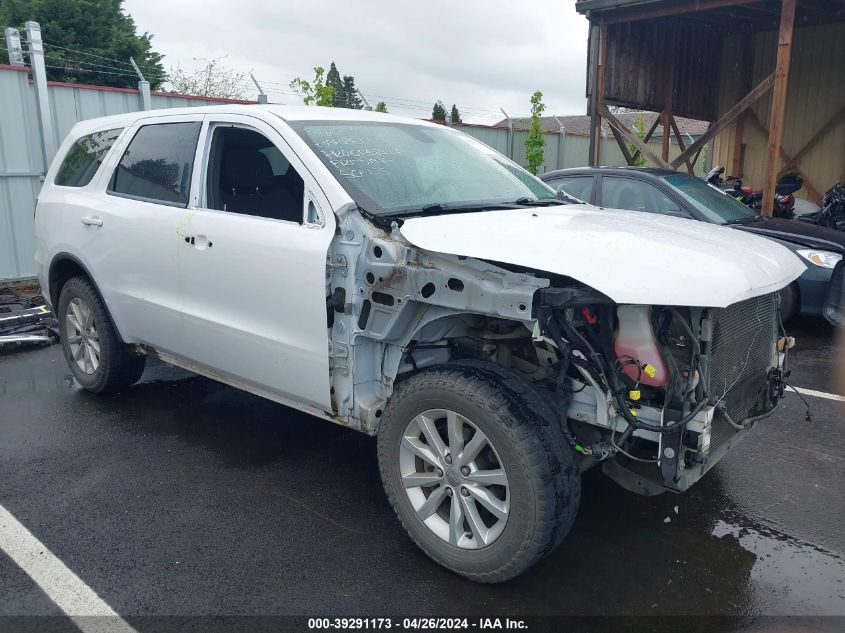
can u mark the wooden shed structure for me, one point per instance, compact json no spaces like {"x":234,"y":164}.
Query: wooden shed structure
{"x":769,"y":76}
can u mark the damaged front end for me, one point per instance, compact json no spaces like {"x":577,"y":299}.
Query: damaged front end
{"x":658,"y":394}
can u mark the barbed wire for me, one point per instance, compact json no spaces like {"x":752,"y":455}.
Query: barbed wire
{"x":404,"y":102}
{"x":97,"y":56}
{"x":89,"y":70}
{"x":103,"y":67}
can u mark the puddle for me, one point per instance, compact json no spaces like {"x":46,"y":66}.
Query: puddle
{"x":789,"y":577}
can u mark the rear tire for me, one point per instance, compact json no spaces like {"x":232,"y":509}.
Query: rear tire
{"x":98,"y":359}
{"x":534,"y":500}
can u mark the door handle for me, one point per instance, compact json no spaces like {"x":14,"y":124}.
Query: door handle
{"x":200,"y":242}
{"x":91,"y":221}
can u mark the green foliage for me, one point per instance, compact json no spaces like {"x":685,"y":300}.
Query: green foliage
{"x":314,"y":92}
{"x":333,"y":80}
{"x":535,"y":142}
{"x":438,"y":113}
{"x":98,"y":27}
{"x":351,"y":93}
{"x":456,"y":116}
{"x":381,"y":106}
{"x":639,"y":128}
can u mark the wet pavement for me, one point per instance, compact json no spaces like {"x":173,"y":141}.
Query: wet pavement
{"x":183,"y":497}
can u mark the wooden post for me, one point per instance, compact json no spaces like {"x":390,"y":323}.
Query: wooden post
{"x":787,"y":19}
{"x":727,"y":118}
{"x":739,"y":153}
{"x":623,"y":147}
{"x":681,"y":144}
{"x":632,"y":138}
{"x":602,"y":62}
{"x":593,"y":104}
{"x":647,"y":138}
{"x":668,"y":95}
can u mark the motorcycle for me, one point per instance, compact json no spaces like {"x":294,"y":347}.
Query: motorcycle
{"x":832,"y":213}
{"x":785,"y":189}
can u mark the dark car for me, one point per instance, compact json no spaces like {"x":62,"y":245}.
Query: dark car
{"x":683,"y":195}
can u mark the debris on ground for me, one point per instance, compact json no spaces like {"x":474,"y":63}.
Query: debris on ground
{"x":25,"y":319}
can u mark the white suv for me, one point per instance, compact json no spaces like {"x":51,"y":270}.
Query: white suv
{"x":405,"y":280}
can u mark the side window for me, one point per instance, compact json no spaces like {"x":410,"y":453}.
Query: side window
{"x":85,"y":157}
{"x":627,"y":193}
{"x":158,"y":163}
{"x":248,"y":174}
{"x":580,"y":187}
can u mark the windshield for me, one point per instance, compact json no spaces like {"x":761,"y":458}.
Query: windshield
{"x":390,"y":168}
{"x":711,"y":202}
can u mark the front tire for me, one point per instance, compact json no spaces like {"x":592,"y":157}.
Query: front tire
{"x":477,"y":470}
{"x":98,"y":359}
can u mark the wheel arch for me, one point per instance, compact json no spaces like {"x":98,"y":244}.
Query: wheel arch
{"x":63,"y":267}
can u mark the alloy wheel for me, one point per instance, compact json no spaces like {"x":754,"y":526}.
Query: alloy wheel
{"x":82,"y":337}
{"x":454,"y":479}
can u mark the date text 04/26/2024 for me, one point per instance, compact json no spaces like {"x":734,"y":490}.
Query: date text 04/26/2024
{"x":416,"y":624}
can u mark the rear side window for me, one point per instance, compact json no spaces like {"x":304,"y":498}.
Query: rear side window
{"x":580,"y":187}
{"x":158,"y":163}
{"x":85,"y":157}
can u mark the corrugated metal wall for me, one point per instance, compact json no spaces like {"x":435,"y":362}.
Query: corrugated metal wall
{"x":815,"y":93}
{"x":561,"y":151}
{"x":21,"y":162}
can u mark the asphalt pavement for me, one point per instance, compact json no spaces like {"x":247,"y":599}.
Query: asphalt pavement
{"x":184,"y":497}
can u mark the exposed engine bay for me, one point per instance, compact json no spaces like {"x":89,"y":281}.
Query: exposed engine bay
{"x":637,"y":386}
{"x":654,"y":394}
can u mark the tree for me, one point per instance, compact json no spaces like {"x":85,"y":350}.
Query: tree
{"x":213,"y":80}
{"x":333,"y":80}
{"x":438,"y":113}
{"x":535,"y":142}
{"x":381,"y":106}
{"x":100,"y":36}
{"x":351,"y":93}
{"x":639,"y":128}
{"x":456,"y":116}
{"x":314,"y":92}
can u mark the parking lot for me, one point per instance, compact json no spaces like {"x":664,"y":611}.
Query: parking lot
{"x":183,"y":497}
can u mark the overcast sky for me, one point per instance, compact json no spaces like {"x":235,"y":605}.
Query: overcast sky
{"x":481,"y":55}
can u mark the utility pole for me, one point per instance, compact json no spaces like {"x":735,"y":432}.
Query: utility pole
{"x":561,"y":147}
{"x":13,"y":46}
{"x":262,"y":98}
{"x":143,"y":87}
{"x":39,"y":76}
{"x":510,"y":132}
{"x":367,"y":105}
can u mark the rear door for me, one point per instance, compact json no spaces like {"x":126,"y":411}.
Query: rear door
{"x":129,"y":228}
{"x":253,"y":263}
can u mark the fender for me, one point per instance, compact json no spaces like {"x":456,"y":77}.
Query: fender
{"x":53,"y":278}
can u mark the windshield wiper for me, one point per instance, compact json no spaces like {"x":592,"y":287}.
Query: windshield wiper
{"x":438,"y":208}
{"x":534,"y":202}
{"x":743,"y":220}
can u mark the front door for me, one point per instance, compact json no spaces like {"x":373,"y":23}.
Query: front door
{"x":253,"y":264}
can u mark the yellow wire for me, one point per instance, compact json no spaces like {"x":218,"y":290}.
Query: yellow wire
{"x":188,"y":218}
